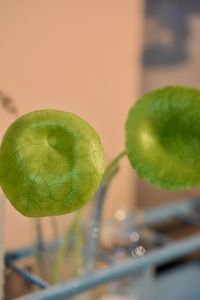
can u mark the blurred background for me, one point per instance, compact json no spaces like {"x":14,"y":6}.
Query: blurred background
{"x":94,"y":58}
{"x":78,"y":56}
{"x":170,"y":57}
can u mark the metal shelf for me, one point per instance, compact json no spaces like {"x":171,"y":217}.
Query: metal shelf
{"x":168,"y":251}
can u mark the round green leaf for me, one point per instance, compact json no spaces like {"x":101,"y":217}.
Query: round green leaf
{"x":163,"y":137}
{"x":51,"y":163}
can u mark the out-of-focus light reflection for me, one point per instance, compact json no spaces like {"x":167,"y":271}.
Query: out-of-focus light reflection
{"x":134,"y":236}
{"x":96,"y":232}
{"x":120,"y":215}
{"x":138,"y":251}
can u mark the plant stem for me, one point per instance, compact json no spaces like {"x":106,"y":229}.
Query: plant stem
{"x":97,"y":214}
{"x":78,"y":249}
{"x":112,"y":168}
{"x":95,"y":229}
{"x":60,"y":257}
{"x":40,"y":247}
{"x":54,"y":227}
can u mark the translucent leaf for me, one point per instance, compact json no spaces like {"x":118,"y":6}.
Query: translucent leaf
{"x":51,"y":163}
{"x":163,"y":137}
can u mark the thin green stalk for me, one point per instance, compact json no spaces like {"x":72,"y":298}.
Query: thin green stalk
{"x":112,"y":168}
{"x":54,"y":228}
{"x":77,"y":265}
{"x":61,"y":254}
{"x":96,"y":218}
{"x":40,"y":247}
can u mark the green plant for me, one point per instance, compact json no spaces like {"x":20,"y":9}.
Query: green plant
{"x":52,"y":162}
{"x":163,"y":137}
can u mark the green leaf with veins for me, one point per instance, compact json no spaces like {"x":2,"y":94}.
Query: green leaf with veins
{"x":51,"y":163}
{"x":163,"y":137}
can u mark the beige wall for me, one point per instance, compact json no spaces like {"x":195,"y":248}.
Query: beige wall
{"x":79,"y":56}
